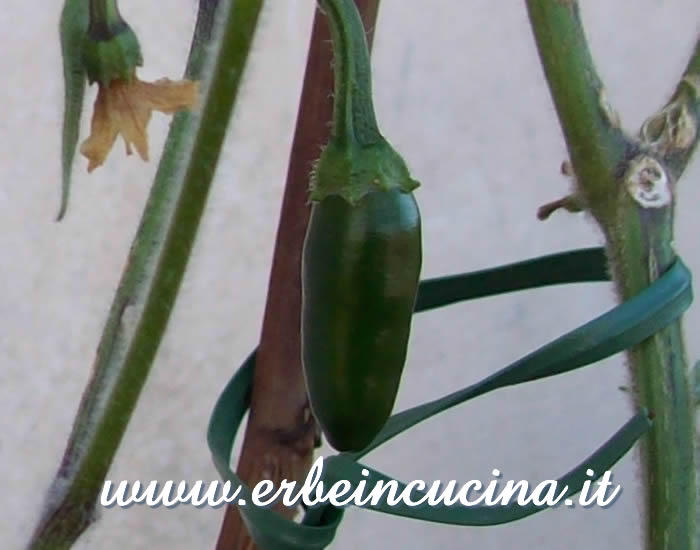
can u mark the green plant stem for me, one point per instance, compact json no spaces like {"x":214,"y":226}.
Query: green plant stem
{"x":155,"y":267}
{"x":639,"y":234}
{"x":641,"y":246}
{"x":688,"y":91}
{"x":353,"y":108}
{"x":104,"y":12}
{"x":595,"y":141}
{"x":106,"y":22}
{"x":673,"y":133}
{"x":684,"y":107}
{"x":641,"y":241}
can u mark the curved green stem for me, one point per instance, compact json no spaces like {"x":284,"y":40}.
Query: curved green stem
{"x":357,"y":160}
{"x":353,"y":109}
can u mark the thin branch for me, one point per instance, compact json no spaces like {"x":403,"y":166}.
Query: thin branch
{"x":629,"y":186}
{"x":151,"y":280}
{"x":281,"y":432}
{"x":673,"y":133}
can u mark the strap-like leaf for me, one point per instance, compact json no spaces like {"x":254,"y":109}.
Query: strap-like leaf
{"x":343,"y":467}
{"x":620,"y":328}
{"x":624,"y":326}
{"x":574,"y":266}
{"x":268,"y":529}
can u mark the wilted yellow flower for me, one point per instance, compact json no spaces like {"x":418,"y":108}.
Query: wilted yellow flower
{"x":124,"y":107}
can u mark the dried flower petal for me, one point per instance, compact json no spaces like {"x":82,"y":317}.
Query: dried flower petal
{"x":124,"y":107}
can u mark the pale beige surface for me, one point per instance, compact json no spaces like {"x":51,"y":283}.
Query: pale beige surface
{"x":460,"y":92}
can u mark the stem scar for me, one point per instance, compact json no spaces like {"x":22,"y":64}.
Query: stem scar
{"x":647,"y":182}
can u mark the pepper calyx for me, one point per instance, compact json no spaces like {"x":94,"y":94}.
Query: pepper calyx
{"x":357,"y":170}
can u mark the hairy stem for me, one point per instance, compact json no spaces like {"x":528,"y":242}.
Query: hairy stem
{"x":660,"y":366}
{"x":629,"y":187}
{"x":591,"y":129}
{"x":353,"y":108}
{"x":151,"y":280}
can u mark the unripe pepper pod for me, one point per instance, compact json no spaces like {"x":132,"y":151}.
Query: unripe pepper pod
{"x":362,"y":256}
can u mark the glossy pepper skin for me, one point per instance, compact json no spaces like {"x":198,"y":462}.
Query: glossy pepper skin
{"x":361,"y":270}
{"x":362,"y":256}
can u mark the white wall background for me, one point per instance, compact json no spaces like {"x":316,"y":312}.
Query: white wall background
{"x":460,"y":92}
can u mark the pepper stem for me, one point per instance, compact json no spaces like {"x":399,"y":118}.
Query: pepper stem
{"x":353,"y":109}
{"x":105,"y":20}
{"x":111,"y":49}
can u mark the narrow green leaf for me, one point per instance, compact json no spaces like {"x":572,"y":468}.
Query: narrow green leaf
{"x":624,"y":326}
{"x":573,"y":266}
{"x":620,"y":328}
{"x":267,"y":528}
{"x":343,"y":467}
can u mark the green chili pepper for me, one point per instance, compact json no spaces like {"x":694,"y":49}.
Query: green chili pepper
{"x":362,"y":255}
